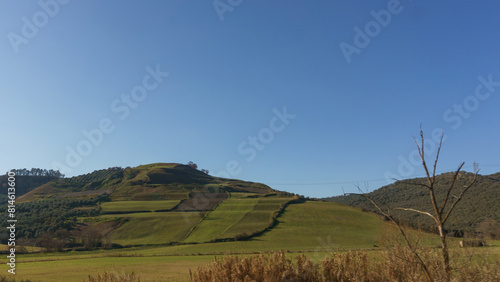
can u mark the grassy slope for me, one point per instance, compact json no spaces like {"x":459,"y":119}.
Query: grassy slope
{"x":228,"y":213}
{"x":318,"y":224}
{"x":155,"y":228}
{"x":256,"y":219}
{"x":309,"y":227}
{"x":131,"y":206}
{"x":313,"y":227}
{"x":303,"y":227}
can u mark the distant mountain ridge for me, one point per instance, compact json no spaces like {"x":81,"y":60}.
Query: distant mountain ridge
{"x":482,"y":201}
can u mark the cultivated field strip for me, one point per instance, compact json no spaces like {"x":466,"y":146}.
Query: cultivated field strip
{"x":257,"y":219}
{"x":155,"y":228}
{"x":227,"y":213}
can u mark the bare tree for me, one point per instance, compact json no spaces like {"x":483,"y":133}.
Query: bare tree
{"x":442,"y":209}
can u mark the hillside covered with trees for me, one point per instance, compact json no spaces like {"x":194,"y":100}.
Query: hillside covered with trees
{"x":27,"y":180}
{"x":479,"y":205}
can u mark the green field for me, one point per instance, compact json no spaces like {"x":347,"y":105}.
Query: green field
{"x":134,"y":206}
{"x":155,"y":228}
{"x":148,"y":266}
{"x":312,"y":228}
{"x":234,"y":216}
{"x":228,"y":213}
{"x":320,"y":224}
{"x":296,"y":232}
{"x":163,"y":268}
{"x":256,"y":219}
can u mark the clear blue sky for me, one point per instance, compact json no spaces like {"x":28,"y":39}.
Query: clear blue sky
{"x":332,"y":91}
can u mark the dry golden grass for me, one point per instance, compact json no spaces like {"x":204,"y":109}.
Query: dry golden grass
{"x":395,"y":264}
{"x":114,"y":277}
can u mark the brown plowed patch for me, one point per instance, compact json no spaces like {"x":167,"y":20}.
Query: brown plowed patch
{"x":201,"y":201}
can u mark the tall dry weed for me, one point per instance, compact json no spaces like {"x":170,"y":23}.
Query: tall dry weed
{"x":273,"y":267}
{"x":394,"y":264}
{"x":114,"y":277}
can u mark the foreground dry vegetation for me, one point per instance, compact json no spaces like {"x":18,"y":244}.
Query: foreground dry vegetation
{"x":108,"y":277}
{"x":395,"y":264}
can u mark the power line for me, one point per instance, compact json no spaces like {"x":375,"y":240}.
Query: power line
{"x":327,"y":183}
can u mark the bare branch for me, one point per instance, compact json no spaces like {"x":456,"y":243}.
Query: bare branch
{"x":418,"y":147}
{"x":403,"y":233}
{"x":455,"y":176}
{"x":421,"y":152}
{"x":437,"y":157}
{"x":373,"y":203}
{"x":461,"y":194}
{"x":430,"y":179}
{"x":417,"y":211}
